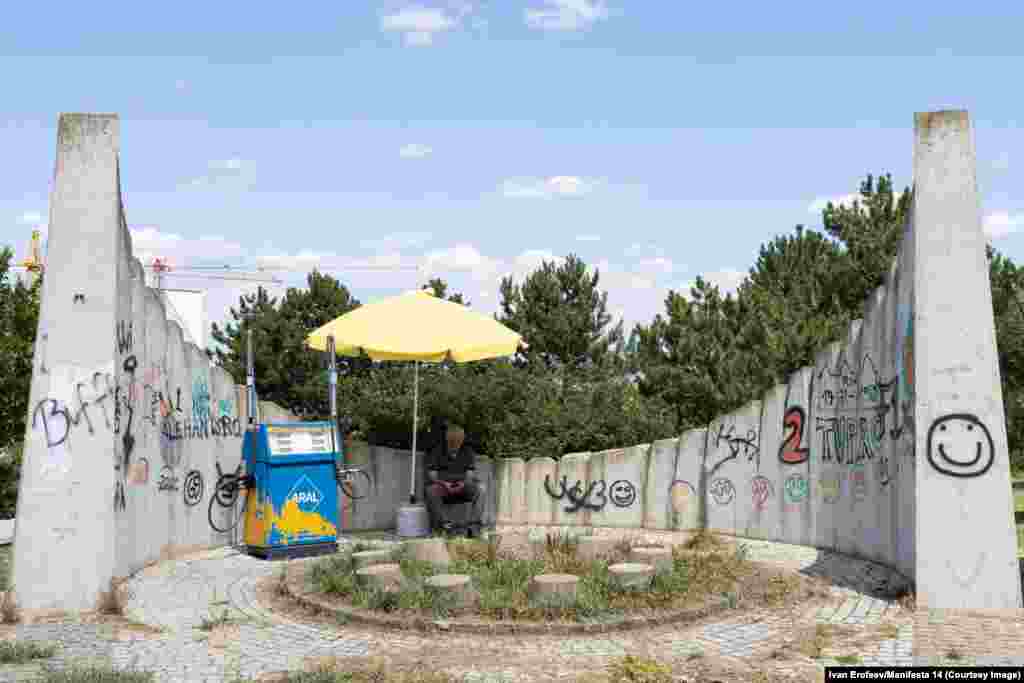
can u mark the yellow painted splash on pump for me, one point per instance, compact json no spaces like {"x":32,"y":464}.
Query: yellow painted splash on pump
{"x":291,"y":524}
{"x":294,"y":522}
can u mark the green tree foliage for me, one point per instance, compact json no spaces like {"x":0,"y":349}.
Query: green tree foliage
{"x":804,"y":290}
{"x":562,"y":315}
{"x":439,"y":288}
{"x":1007,"y":282}
{"x":871,"y":230}
{"x":704,"y":357}
{"x":19,"y":319}
{"x":287,"y":371}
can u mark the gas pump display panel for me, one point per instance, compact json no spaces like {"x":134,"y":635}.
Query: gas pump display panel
{"x":296,"y":493}
{"x":290,"y":440}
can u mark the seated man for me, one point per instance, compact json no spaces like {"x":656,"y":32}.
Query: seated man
{"x":451,"y":478}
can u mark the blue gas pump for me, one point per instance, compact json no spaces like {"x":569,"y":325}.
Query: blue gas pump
{"x":289,"y":479}
{"x":292,"y":509}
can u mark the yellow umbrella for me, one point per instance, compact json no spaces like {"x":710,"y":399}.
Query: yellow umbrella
{"x":417,"y":326}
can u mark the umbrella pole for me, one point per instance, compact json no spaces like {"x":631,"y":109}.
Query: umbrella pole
{"x":415,"y":419}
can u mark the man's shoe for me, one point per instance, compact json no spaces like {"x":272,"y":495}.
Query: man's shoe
{"x":470,"y":532}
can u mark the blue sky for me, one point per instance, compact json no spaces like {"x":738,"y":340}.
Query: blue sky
{"x":470,"y":140}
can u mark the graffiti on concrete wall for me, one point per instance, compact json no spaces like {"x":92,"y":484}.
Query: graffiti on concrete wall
{"x":792,"y":451}
{"x":796,"y":489}
{"x":960,"y":445}
{"x":592,"y":497}
{"x":722,"y":490}
{"x":622,"y":493}
{"x":831,"y":487}
{"x":858,"y":482}
{"x":225,"y":407}
{"x":761,"y":490}
{"x":682,"y":495}
{"x":193,"y":488}
{"x":168,"y":480}
{"x":736,"y":445}
{"x":200,"y":399}
{"x":138,"y":472}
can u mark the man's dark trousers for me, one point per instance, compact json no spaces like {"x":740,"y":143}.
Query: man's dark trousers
{"x":438,"y":497}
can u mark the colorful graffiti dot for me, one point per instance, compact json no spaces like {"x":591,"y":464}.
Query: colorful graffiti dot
{"x":681,"y":492}
{"x":796,"y":488}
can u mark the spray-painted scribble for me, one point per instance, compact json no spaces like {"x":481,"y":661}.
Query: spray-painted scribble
{"x":761,"y":490}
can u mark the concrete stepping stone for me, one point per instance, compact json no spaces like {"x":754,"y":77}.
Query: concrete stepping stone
{"x":590,"y":548}
{"x":631,"y":575}
{"x":459,"y":586}
{"x":371,"y":557}
{"x":432,"y":550}
{"x":380,"y":576}
{"x":554,"y":588}
{"x":657,"y":557}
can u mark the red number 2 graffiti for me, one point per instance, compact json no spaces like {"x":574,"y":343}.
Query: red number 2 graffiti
{"x":790,"y":452}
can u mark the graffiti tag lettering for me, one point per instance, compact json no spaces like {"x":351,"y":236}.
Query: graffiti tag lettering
{"x":577,"y":496}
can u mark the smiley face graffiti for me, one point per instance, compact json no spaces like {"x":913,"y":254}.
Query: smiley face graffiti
{"x":622,"y":493}
{"x":960,"y":445}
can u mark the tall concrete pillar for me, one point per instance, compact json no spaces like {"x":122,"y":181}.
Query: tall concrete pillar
{"x":966,"y":546}
{"x":70,"y":491}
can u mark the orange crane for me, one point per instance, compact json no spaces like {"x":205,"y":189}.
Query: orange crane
{"x":33,"y":263}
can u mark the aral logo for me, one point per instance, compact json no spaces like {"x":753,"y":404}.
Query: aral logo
{"x":306,"y":494}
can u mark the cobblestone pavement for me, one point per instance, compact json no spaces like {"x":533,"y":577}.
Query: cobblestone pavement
{"x":179,"y":595}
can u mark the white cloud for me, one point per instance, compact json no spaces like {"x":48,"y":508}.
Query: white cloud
{"x":414,"y":151}
{"x":225,"y":174}
{"x":548,"y":188}
{"x":417,"y":24}
{"x":658,"y":264}
{"x":180,"y":84}
{"x":565,"y":15}
{"x":588,"y":238}
{"x":1001,"y":224}
{"x":149,"y":242}
{"x":396,"y":241}
{"x":459,"y":258}
{"x":819,"y":204}
{"x":31,"y":218}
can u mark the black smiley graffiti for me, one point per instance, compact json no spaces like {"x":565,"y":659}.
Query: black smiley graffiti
{"x":957,"y":433}
{"x":622,"y":493}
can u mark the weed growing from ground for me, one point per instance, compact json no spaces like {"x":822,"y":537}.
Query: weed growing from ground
{"x":208,"y":624}
{"x":501,"y":580}
{"x":96,"y":674}
{"x":20,"y":652}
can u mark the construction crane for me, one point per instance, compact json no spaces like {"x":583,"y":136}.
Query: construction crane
{"x":33,"y":262}
{"x":161,"y":267}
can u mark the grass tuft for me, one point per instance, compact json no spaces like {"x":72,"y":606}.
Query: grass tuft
{"x":20,"y":651}
{"x":97,"y":674}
